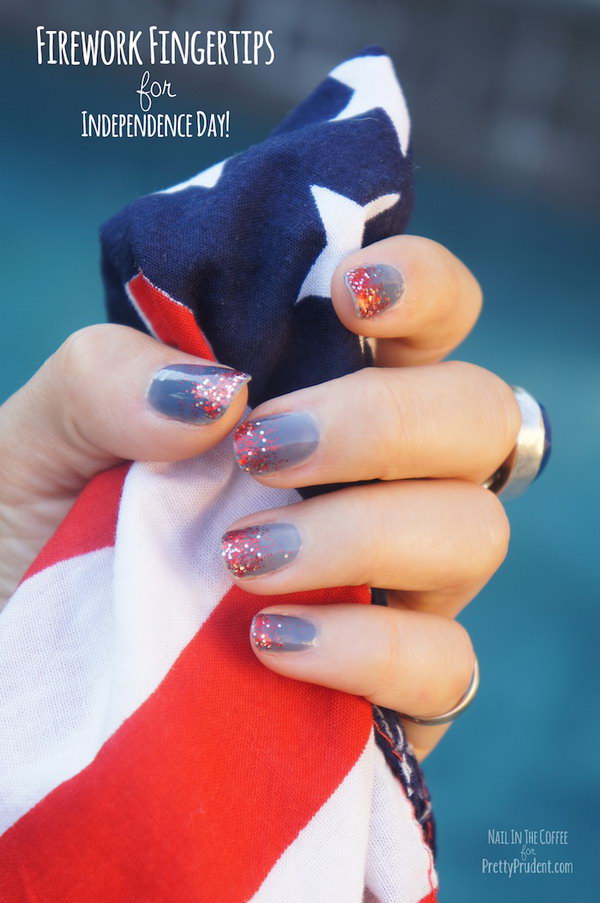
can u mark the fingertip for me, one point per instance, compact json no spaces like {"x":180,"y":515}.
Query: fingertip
{"x":126,"y":395}
{"x":288,"y":640}
{"x":410,"y":288}
{"x":266,"y":445}
{"x":371,"y":290}
{"x":190,"y":407}
{"x":275,"y":631}
{"x":197,"y":394}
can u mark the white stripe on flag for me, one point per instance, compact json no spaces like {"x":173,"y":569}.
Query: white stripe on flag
{"x":326,"y":862}
{"x":83,"y":643}
{"x":55,"y":664}
{"x":169,"y":575}
{"x":378,"y":845}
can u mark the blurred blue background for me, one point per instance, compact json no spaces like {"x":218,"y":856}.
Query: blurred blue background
{"x":501,"y":96}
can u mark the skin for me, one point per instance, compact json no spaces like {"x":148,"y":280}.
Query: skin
{"x":427,"y":531}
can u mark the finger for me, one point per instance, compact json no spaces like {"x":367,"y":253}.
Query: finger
{"x":380,"y":653}
{"x":411,"y":294}
{"x":108,"y":393}
{"x":413,"y":535}
{"x":111,"y":393}
{"x":444,"y":420}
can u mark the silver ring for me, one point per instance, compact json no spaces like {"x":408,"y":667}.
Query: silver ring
{"x":530,"y":454}
{"x":458,"y":709}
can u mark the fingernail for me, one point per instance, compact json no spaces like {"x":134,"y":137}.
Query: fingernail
{"x":195,"y":393}
{"x":374,"y":289}
{"x":273,"y":443}
{"x":282,"y":633}
{"x":253,"y":551}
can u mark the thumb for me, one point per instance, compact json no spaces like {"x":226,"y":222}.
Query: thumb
{"x":112,"y":393}
{"x":109,"y":393}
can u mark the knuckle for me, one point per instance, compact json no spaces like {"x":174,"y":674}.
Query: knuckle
{"x":494,"y":404}
{"x":384,"y":675}
{"x":77,"y":354}
{"x":494,"y":533}
{"x":75,"y":364}
{"x":460,"y":283}
{"x":450,"y":278}
{"x":472,"y":543}
{"x":392,"y":411}
{"x":459,"y":671}
{"x":367,"y":523}
{"x":502,"y":405}
{"x":499,"y":399}
{"x":447,"y":683}
{"x":470,"y":376}
{"x":377,"y":524}
{"x":429,"y":699}
{"x":373,"y":383}
{"x":462,"y":371}
{"x":455,"y":287}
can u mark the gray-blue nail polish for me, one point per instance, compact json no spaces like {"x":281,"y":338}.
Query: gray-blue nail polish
{"x":195,"y":393}
{"x":271,"y":632}
{"x":254,"y":551}
{"x":275,"y":442}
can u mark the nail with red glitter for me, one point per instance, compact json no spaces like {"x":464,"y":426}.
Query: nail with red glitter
{"x":374,"y":289}
{"x":273,"y":443}
{"x":195,"y":393}
{"x":254,"y":551}
{"x":271,"y":632}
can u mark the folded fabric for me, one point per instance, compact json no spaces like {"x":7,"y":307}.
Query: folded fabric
{"x":146,"y":754}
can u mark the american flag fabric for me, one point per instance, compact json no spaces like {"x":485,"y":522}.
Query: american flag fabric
{"x":145,"y":754}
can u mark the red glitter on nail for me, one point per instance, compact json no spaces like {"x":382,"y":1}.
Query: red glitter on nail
{"x":256,"y":447}
{"x":213,"y":393}
{"x":247,"y":551}
{"x":265,"y":632}
{"x":372,"y":291}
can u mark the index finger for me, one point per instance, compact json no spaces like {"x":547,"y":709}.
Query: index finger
{"x":411,"y":294}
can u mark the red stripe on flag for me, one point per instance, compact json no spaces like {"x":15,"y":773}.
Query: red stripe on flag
{"x":90,"y":524}
{"x":172,"y":322}
{"x":196,"y":795}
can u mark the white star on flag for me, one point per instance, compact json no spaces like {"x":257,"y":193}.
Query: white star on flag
{"x":208,"y":178}
{"x":374,"y":84}
{"x":344,"y":223}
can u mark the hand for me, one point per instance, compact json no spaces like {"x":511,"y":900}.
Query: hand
{"x":433,"y":543}
{"x":87,"y":409}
